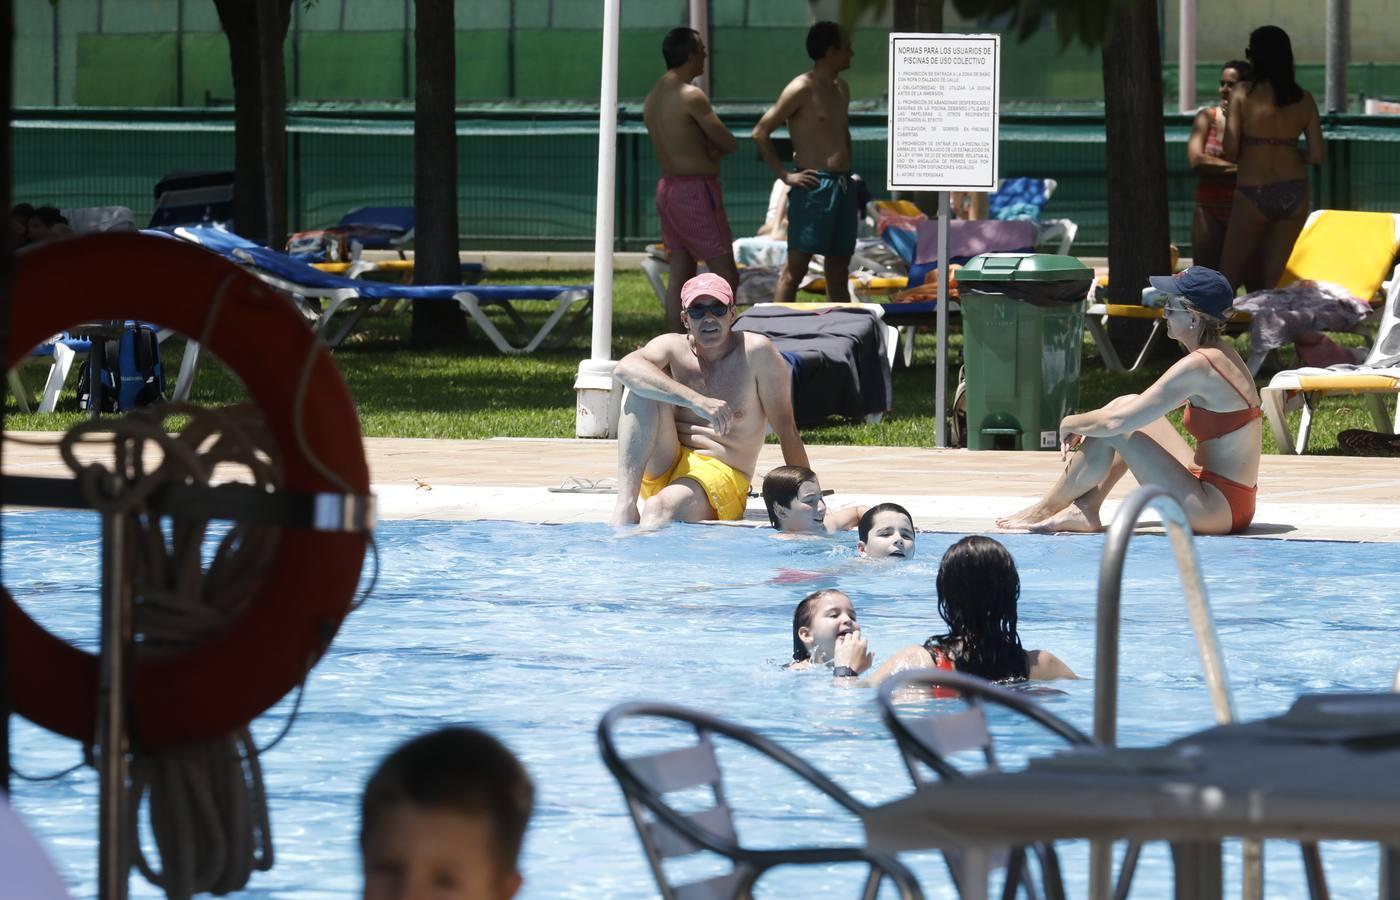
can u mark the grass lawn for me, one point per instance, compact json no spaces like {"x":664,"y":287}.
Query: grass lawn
{"x":472,"y":391}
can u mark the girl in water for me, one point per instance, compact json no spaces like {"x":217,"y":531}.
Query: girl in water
{"x":824,"y":631}
{"x":978,"y":590}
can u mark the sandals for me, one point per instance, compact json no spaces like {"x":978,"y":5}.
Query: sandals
{"x":1357,"y":442}
{"x":576,"y":485}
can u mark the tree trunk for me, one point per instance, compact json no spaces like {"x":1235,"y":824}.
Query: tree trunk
{"x":1139,"y":237}
{"x":259,"y":115}
{"x":925,"y":16}
{"x":7,"y":271}
{"x":435,"y":259}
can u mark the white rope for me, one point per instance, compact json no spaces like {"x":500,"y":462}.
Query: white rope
{"x":207,"y":809}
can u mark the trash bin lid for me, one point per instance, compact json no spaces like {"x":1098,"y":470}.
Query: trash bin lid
{"x":1024,"y":267}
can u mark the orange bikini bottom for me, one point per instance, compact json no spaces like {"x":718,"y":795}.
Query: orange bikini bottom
{"x":1240,"y":497}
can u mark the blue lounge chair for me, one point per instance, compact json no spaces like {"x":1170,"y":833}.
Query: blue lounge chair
{"x":305,"y":283}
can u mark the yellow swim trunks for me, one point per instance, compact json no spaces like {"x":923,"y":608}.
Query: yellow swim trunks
{"x":727,"y":488}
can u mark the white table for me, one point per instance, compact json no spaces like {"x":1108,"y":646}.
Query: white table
{"x":1264,"y":780}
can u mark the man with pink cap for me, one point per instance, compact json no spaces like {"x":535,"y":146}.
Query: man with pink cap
{"x":695,"y":414}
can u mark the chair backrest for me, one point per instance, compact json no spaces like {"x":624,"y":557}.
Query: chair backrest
{"x":1353,"y":249}
{"x":931,"y":737}
{"x":1385,"y":352}
{"x":666,"y":832}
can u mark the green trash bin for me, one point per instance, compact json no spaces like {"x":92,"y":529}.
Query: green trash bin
{"x":1023,"y":333}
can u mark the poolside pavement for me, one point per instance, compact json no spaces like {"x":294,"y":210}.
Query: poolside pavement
{"x":1300,"y":498}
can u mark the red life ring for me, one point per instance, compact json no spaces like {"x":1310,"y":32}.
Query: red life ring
{"x":228,"y":680}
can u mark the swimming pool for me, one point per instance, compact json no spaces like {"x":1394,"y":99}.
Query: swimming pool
{"x":534,"y":631}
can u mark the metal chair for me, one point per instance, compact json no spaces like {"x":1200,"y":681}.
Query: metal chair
{"x":667,"y":833}
{"x":930,"y":739}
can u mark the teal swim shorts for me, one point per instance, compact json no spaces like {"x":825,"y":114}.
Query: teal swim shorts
{"x":823,"y":219}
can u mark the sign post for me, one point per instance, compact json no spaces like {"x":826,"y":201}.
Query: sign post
{"x":944,"y":135}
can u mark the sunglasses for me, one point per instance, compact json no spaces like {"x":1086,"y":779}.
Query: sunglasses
{"x":698,"y":311}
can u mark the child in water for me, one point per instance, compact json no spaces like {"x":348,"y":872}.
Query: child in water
{"x":978,"y":588}
{"x":824,"y":631}
{"x":796,"y":504}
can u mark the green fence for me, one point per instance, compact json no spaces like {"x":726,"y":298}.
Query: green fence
{"x":528,"y":177}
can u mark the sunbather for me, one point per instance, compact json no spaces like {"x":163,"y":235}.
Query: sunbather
{"x":796,"y":504}
{"x":695,"y":413}
{"x":886,"y":530}
{"x":978,"y":589}
{"x":1216,"y":483}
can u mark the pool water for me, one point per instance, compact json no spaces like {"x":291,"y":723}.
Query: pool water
{"x":534,"y":631}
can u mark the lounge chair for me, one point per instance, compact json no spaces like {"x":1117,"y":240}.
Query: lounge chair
{"x":59,"y":355}
{"x":840,"y":353}
{"x":1377,"y":378}
{"x":668,"y":832}
{"x":305,"y":284}
{"x":1356,"y":250}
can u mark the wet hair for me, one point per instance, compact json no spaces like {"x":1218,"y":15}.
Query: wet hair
{"x":1241,"y":66}
{"x":677,"y":46}
{"x":802,"y":618}
{"x":822,"y":37}
{"x":780,"y":488}
{"x":49,"y":215}
{"x":459,"y":770}
{"x":977,"y":593}
{"x":867,"y":521}
{"x":1271,"y":58}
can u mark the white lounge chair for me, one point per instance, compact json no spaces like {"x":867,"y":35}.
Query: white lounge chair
{"x":1377,"y":378}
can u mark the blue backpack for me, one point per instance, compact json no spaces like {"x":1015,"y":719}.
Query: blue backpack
{"x":127,"y":369}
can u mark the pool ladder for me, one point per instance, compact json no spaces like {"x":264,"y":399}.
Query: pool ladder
{"x":1115,"y":551}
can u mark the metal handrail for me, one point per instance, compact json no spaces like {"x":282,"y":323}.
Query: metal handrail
{"x":1115,"y":551}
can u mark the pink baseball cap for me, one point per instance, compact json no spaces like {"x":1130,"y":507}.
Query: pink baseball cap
{"x":706,"y":284}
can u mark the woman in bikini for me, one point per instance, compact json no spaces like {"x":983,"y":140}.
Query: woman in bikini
{"x":1266,"y":117}
{"x":1215,"y":175}
{"x":978,"y":589}
{"x":1216,"y":483}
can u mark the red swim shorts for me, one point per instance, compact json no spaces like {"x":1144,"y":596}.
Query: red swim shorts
{"x":691,"y":208}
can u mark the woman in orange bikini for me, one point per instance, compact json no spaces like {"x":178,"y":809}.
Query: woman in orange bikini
{"x":1215,"y":175}
{"x":978,"y":590}
{"x":1216,"y":482}
{"x":1266,"y":117}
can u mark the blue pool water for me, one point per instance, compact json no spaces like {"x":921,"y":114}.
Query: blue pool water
{"x":533,"y":631}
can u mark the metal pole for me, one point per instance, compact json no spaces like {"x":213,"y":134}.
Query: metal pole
{"x":700,"y":21}
{"x":607,"y":186}
{"x":940,"y":370}
{"x":1186,"y":57}
{"x":1115,"y":551}
{"x":112,"y":741}
{"x":1338,"y":53}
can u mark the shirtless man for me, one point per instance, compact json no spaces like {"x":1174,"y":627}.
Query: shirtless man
{"x":695,"y":414}
{"x":822,"y":203}
{"x":689,"y":140}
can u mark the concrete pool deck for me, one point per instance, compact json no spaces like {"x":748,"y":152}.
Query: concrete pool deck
{"x":1300,"y":498}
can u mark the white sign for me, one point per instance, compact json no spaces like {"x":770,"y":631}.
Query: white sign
{"x":944,"y":122}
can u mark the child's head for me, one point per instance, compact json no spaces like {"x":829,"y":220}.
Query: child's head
{"x":886,"y":530}
{"x":978,"y":588}
{"x":818,"y":621}
{"x":793,"y":497}
{"x":446,"y":810}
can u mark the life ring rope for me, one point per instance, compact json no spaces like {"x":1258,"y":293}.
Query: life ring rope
{"x":311,"y":583}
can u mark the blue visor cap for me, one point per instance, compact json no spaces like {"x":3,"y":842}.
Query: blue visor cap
{"x":1206,"y":289}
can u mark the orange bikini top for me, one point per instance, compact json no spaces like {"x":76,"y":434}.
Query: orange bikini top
{"x":1207,"y":425}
